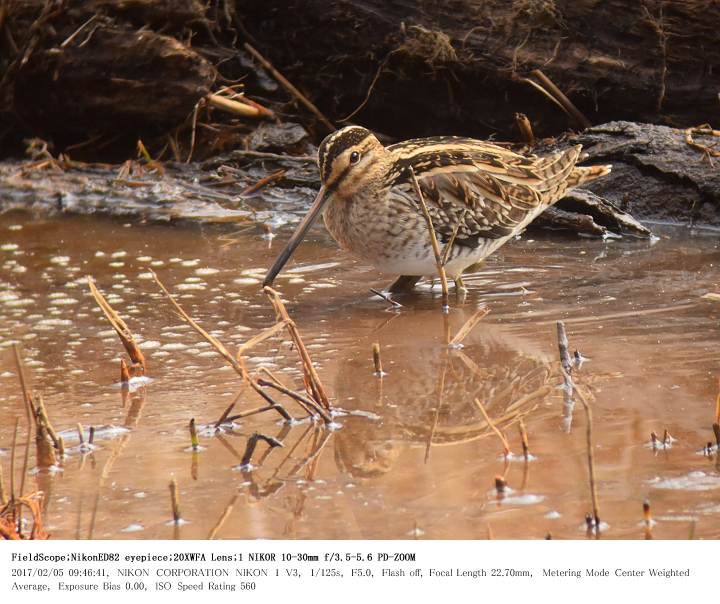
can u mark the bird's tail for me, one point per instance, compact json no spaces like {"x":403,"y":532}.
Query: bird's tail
{"x":583,"y":174}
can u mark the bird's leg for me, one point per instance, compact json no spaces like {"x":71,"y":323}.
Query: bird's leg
{"x":460,"y":284}
{"x":403,"y":284}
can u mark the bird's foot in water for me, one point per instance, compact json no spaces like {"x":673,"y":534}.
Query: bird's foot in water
{"x":460,"y":285}
{"x":403,"y":284}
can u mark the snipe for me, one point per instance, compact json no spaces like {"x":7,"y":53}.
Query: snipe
{"x":478,"y":194}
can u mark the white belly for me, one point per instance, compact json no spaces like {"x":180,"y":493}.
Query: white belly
{"x":420,"y":260}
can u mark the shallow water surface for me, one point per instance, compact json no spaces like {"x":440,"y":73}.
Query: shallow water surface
{"x":413,"y":456}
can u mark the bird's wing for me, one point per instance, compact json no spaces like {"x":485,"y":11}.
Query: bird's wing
{"x":478,"y":190}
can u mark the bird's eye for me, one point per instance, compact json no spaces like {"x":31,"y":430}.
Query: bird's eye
{"x":354,"y":157}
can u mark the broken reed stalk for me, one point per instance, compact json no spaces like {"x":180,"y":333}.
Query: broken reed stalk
{"x":564,"y":347}
{"x":708,"y":152}
{"x":29,"y":408}
{"x":30,"y":412}
{"x":263,"y":182}
{"x":223,"y":517}
{"x":591,"y":459}
{"x":310,"y":406}
{"x":44,"y":420}
{"x":236,"y":362}
{"x":524,"y":439}
{"x":212,"y":340}
{"x":3,"y":496}
{"x":249,"y":412}
{"x":175,"y":500}
{"x":274,"y":404}
{"x":525,"y":128}
{"x":124,"y":372}
{"x":223,"y":418}
{"x":377,"y":361}
{"x":263,"y":335}
{"x":647,"y":518}
{"x":236,"y":107}
{"x":469,"y":325}
{"x":387,"y":298}
{"x":285,"y":83}
{"x":716,"y":423}
{"x":120,"y":327}
{"x":494,"y":428}
{"x":308,"y":367}
{"x":433,"y":241}
{"x":193,"y":435}
{"x":562,"y":100}
{"x":252,"y":445}
{"x":81,"y":434}
{"x":12,"y":459}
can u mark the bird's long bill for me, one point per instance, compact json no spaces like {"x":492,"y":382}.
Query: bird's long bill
{"x":297,"y":237}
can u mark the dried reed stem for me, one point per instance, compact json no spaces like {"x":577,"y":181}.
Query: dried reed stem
{"x":44,"y":420}
{"x":237,"y":107}
{"x":252,"y":444}
{"x":263,"y":182}
{"x":591,"y":459}
{"x":433,"y":241}
{"x":120,"y":327}
{"x":309,"y":405}
{"x":124,"y":372}
{"x":525,"y":128}
{"x":175,"y":500}
{"x":212,"y":340}
{"x":263,"y":335}
{"x":12,"y":460}
{"x":193,"y":435}
{"x":377,"y":361}
{"x":308,"y":367}
{"x":3,"y":496}
{"x":524,"y":439}
{"x":223,"y":517}
{"x":27,"y":398}
{"x":469,"y":325}
{"x":387,"y":298}
{"x":285,"y":83}
{"x":562,"y":100}
{"x":493,"y":427}
{"x":647,"y":518}
{"x":228,"y":409}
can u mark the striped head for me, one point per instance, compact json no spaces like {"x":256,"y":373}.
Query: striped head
{"x":348,"y":158}
{"x":352,"y":162}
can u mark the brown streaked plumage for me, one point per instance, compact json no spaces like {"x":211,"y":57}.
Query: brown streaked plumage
{"x":478,"y":194}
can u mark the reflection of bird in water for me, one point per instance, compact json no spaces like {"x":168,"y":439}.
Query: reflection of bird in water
{"x":429,"y":394}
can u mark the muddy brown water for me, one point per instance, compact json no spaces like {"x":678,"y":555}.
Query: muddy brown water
{"x":414,"y":457}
